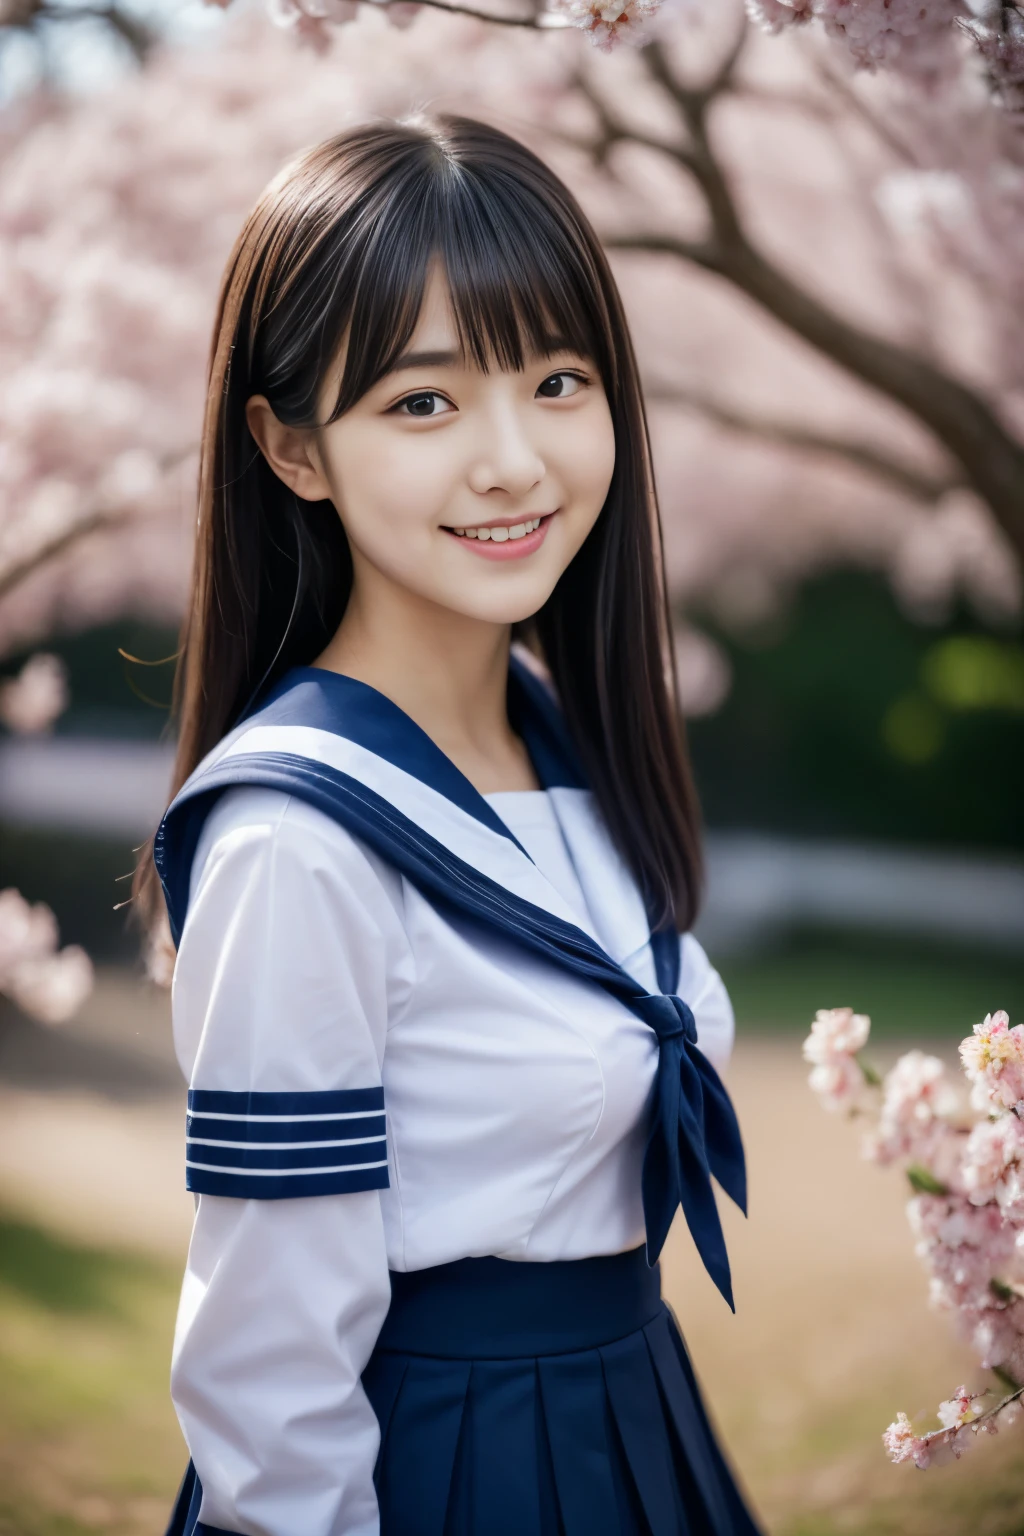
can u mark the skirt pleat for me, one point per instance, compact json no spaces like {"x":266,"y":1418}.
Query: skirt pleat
{"x":689,"y":1427}
{"x":489,"y":1428}
{"x":611,"y":1441}
{"x":497,"y":1481}
{"x":422,"y":1435}
{"x":636,"y":1404}
{"x":572,"y":1388}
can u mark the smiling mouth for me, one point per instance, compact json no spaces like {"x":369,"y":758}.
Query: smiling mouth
{"x":499,"y":533}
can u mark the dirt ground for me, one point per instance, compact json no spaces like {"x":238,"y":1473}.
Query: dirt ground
{"x":831,"y":1335}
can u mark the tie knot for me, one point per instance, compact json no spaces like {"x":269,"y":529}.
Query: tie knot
{"x":669,"y":1017}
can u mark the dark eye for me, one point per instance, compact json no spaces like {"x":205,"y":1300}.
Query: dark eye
{"x":427,"y":403}
{"x":558,"y":386}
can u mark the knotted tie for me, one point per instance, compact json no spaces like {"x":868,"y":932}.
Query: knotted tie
{"x":695,"y":1134}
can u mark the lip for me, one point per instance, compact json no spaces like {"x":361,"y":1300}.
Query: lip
{"x":510,"y":549}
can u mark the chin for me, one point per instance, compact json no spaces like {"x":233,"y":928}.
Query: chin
{"x":510,"y":607}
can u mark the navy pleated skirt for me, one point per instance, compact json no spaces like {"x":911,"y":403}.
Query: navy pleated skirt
{"x":519,"y":1399}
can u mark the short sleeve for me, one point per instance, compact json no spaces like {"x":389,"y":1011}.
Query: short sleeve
{"x":704,"y":991}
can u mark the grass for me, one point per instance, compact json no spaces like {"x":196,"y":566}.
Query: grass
{"x":908,"y":989}
{"x":88,"y":1439}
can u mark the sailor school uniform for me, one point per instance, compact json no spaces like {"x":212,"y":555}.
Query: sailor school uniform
{"x":447,"y":1093}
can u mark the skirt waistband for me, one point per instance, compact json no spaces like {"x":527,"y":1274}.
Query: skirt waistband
{"x":502,"y":1309}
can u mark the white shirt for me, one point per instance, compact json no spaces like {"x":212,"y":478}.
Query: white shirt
{"x":516,"y":1100}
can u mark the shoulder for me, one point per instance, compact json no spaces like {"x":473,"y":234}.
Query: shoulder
{"x":696,"y":972}
{"x":705,"y":992}
{"x":255,"y":833}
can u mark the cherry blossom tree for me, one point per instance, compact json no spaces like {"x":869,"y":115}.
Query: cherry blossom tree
{"x":964,"y":1161}
{"x":821,"y":274}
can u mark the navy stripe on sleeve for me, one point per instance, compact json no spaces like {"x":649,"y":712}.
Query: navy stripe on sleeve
{"x":344,"y":1101}
{"x":275,"y":1146}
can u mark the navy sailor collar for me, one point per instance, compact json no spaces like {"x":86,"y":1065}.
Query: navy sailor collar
{"x":334,"y":702}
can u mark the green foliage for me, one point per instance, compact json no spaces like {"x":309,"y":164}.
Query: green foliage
{"x":922,"y":1182}
{"x":82,"y":878}
{"x":110,"y":695}
{"x":846,"y":719}
{"x":907,"y":987}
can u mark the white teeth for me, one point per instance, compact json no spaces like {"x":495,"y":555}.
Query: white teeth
{"x":499,"y":535}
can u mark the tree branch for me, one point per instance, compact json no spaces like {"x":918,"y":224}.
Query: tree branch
{"x":17,"y":571}
{"x":964,"y":424}
{"x":540,"y":21}
{"x":895,"y":472}
{"x":700,"y":253}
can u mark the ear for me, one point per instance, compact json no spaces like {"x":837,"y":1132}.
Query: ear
{"x":290,"y":451}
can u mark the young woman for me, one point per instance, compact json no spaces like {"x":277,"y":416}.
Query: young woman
{"x":450,"y":1060}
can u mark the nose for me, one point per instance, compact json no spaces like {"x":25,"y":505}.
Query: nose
{"x":506,"y":459}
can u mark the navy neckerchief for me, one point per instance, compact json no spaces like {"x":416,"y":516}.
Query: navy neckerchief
{"x":694,"y":1133}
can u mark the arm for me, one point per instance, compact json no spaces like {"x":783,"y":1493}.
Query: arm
{"x":705,"y":992}
{"x":281,"y":990}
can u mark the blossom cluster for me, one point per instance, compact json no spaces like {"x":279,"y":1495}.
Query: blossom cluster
{"x":311,"y":20}
{"x":607,"y":23}
{"x":48,"y":983}
{"x":31,"y":702}
{"x":836,"y":1036}
{"x":610,"y":22}
{"x":964,"y":1159}
{"x":917,"y":40}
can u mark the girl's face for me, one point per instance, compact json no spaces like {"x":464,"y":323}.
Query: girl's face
{"x":470,"y":490}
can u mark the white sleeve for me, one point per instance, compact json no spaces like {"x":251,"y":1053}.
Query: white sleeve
{"x":280,"y":1004}
{"x":704,"y":990}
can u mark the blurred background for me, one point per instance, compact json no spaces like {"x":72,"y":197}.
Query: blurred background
{"x":823,"y":268}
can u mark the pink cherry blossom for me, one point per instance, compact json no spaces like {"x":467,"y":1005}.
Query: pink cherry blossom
{"x":48,"y":983}
{"x":608,"y":23}
{"x":994,"y":1332}
{"x":836,"y":1032}
{"x":26,"y":932}
{"x":52,"y":988}
{"x":838,"y":1083}
{"x":918,"y":40}
{"x":959,"y":1409}
{"x":991,"y":1166}
{"x":902,"y":1444}
{"x":993,"y":1061}
{"x":916,"y":1094}
{"x":31,"y":702}
{"x":774,"y":15}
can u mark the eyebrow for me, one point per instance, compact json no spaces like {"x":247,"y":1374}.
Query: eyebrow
{"x":448,"y":358}
{"x":441,"y":359}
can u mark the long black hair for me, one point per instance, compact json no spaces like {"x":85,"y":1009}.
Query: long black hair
{"x":340,"y":246}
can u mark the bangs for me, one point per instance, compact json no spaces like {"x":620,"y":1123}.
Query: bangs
{"x":520,"y":276}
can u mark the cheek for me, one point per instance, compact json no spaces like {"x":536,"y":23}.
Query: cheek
{"x":587,"y":459}
{"x":386,"y":486}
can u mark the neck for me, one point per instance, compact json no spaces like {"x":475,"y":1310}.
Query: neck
{"x":447,"y":671}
